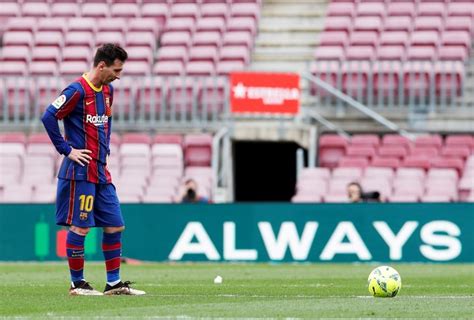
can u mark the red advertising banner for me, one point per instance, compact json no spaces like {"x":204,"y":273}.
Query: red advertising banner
{"x":254,"y":92}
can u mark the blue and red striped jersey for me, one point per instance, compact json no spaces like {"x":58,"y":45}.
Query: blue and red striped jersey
{"x":87,"y":115}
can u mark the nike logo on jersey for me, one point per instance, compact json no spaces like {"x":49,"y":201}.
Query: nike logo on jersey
{"x":89,"y":102}
{"x":97,"y":120}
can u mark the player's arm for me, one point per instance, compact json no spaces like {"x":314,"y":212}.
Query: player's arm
{"x":57,"y":110}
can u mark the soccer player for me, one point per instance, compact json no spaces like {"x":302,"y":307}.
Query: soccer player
{"x":86,"y":196}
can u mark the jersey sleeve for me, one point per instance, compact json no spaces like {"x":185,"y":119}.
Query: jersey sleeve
{"x":65,"y":103}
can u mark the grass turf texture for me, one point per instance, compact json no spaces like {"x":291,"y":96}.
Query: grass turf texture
{"x":249,"y":290}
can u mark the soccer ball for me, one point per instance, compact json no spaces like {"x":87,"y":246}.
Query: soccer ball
{"x":384,"y":281}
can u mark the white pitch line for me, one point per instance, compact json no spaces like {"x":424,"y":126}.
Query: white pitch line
{"x":301,"y":296}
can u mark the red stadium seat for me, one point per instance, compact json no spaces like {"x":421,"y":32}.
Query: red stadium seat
{"x":56,"y":25}
{"x":371,"y":9}
{"x":109,"y":37}
{"x":389,"y":52}
{"x":158,"y":11}
{"x":354,"y":173}
{"x":364,"y":38}
{"x":43,"y":68}
{"x":73,"y":68}
{"x":340,"y":24}
{"x":95,"y":10}
{"x":459,"y":24}
{"x":66,"y":10}
{"x":401,"y":9}
{"x":392,"y":151}
{"x":245,"y":10}
{"x":385,"y":162}
{"x":125,"y":10}
{"x":141,"y":54}
{"x":399,"y":38}
{"x":371,"y":23}
{"x":460,"y":140}
{"x":143,"y":138}
{"x":82,"y":25}
{"x":306,"y":198}
{"x":13,"y":68}
{"x":434,"y":140}
{"x":431,"y":9}
{"x":210,"y":24}
{"x":315,"y":173}
{"x":226,"y":67}
{"x":435,"y":198}
{"x":176,"y":39}
{"x":27,"y":24}
{"x":168,"y":139}
{"x":333,"y":38}
{"x":15,"y":53}
{"x":177,"y":53}
{"x":184,"y":10}
{"x":207,"y":39}
{"x":452,"y":53}
{"x":426,"y":151}
{"x":200,"y":68}
{"x":143,"y":25}
{"x":112,"y":25}
{"x":456,"y":38}
{"x":331,"y":149}
{"x":214,"y":10}
{"x":76,"y":53}
{"x":238,"y":38}
{"x":425,"y":38}
{"x":340,"y":9}
{"x":360,"y":151}
{"x":447,"y":174}
{"x":411,"y":173}
{"x":395,"y":139}
{"x":10,"y":9}
{"x":79,"y":38}
{"x":203,"y":53}
{"x":138,"y":68}
{"x":416,"y":162}
{"x":21,"y":38}
{"x":35,"y":9}
{"x":197,"y":149}
{"x":428,"y":24}
{"x":46,"y":54}
{"x":329,"y":53}
{"x":353,"y":162}
{"x":245,"y":24}
{"x":457,"y":9}
{"x":380,"y":173}
{"x":235,"y":53}
{"x":141,"y":39}
{"x":46,"y":38}
{"x":168,"y":68}
{"x":13,"y":137}
{"x":398,"y":23}
{"x":448,"y":162}
{"x":186,"y":24}
{"x":365,"y":140}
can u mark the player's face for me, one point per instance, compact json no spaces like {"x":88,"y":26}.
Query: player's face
{"x":112,"y":72}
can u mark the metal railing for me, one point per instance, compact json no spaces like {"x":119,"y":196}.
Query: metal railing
{"x":140,"y":103}
{"x":415,"y":86}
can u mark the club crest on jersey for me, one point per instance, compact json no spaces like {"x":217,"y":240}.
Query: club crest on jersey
{"x":83,"y":216}
{"x":59,"y":101}
{"x":97,"y":120}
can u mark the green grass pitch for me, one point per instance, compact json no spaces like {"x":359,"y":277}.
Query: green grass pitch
{"x":34,"y":290}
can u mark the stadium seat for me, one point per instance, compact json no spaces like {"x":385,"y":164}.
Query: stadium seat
{"x":197,"y":150}
{"x":333,"y":198}
{"x":451,"y":53}
{"x":311,"y":187}
{"x":124,"y":10}
{"x":226,"y":67}
{"x":431,"y":9}
{"x":82,"y":25}
{"x":385,"y":162}
{"x":364,"y":38}
{"x":460,"y":140}
{"x":425,"y":151}
{"x":211,"y":24}
{"x":403,"y":198}
{"x":200,"y":68}
{"x":17,"y":194}
{"x":434,"y":140}
{"x":416,"y":162}
{"x":398,"y":23}
{"x":158,"y":11}
{"x":435,"y":198}
{"x":360,"y":151}
{"x":15,"y":53}
{"x":95,"y":10}
{"x":354,"y":173}
{"x":401,"y":9}
{"x":331,"y":149}
{"x":10,"y":9}
{"x":56,"y":25}
{"x":176,"y":39}
{"x":79,"y":38}
{"x":392,"y":151}
{"x":381,"y":173}
{"x":368,"y":23}
{"x":234,"y":53}
{"x":144,"y":25}
{"x":43,"y":68}
{"x":17,"y":38}
{"x":140,"y":54}
{"x":168,"y":68}
{"x":339,"y":24}
{"x":394,"y":38}
{"x":341,"y":9}
{"x":73,"y":68}
{"x":203,"y":53}
{"x":219,"y":10}
{"x":180,"y":24}
{"x":353,"y":162}
{"x":251,"y":10}
{"x":459,"y":24}
{"x":35,"y":9}
{"x":66,"y":10}
{"x":456,"y":152}
{"x":454,"y":163}
{"x":306,"y":198}
{"x":244,"y":24}
{"x":314,"y":174}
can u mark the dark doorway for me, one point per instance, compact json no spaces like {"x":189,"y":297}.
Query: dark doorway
{"x":264,"y":171}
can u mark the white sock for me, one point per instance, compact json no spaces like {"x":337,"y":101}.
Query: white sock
{"x":113,"y":283}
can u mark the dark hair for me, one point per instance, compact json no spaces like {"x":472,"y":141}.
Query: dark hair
{"x":353,"y":183}
{"x":108,"y":52}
